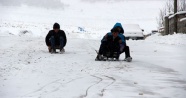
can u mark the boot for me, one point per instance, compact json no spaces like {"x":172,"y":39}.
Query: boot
{"x":99,"y":57}
{"x":62,"y":50}
{"x":53,"y":51}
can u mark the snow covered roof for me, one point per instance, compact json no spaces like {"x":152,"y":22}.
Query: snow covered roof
{"x":178,"y":13}
{"x":183,"y":19}
{"x":181,"y":12}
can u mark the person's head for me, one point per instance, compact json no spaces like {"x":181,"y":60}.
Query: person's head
{"x":119,"y":29}
{"x":118,"y":25}
{"x":115,"y":32}
{"x":56,"y":27}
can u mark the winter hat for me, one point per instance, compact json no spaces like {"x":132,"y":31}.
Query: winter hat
{"x":56,"y":26}
{"x":120,"y":26}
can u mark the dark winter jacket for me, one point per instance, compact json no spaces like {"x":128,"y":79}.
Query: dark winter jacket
{"x":122,"y":37}
{"x":110,"y":39}
{"x":57,"y":36}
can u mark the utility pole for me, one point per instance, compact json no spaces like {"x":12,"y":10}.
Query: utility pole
{"x":184,"y":5}
{"x":175,"y":17}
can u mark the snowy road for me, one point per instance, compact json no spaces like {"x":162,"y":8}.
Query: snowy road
{"x":27,"y":70}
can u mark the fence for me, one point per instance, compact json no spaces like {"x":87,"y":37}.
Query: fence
{"x":169,"y":27}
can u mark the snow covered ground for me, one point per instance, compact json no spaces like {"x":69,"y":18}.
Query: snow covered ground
{"x":27,"y":70}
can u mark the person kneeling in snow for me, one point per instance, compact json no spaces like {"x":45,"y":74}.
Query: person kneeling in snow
{"x":110,"y":46}
{"x":56,"y":39}
{"x":122,"y":43}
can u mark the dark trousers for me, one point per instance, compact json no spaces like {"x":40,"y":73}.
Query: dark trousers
{"x":56,"y":42}
{"x":109,"y":47}
{"x":127,"y":51}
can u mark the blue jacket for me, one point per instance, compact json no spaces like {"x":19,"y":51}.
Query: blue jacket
{"x":120,"y":33}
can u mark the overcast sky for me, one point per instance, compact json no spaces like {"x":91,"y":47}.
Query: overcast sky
{"x":51,"y":3}
{"x":55,"y":3}
{"x":118,"y":0}
{"x":38,"y":3}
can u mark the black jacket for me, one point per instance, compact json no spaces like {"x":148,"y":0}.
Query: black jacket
{"x":57,"y":36}
{"x":112,"y":40}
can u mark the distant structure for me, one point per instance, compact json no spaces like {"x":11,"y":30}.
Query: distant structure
{"x":169,"y":26}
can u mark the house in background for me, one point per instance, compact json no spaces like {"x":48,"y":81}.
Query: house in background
{"x":169,"y":26}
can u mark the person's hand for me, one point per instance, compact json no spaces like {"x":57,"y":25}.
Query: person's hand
{"x":120,"y":41}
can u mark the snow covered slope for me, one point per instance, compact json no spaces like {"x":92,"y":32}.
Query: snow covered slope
{"x":95,"y":15}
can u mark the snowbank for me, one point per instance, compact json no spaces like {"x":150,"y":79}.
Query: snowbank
{"x":175,"y":39}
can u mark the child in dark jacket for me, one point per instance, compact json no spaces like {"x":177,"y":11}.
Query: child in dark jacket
{"x":120,"y":46}
{"x":56,"y":39}
{"x":110,"y":46}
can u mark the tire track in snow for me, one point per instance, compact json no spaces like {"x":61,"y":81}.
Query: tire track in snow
{"x":53,"y":82}
{"x":87,"y":91}
{"x":103,"y":90}
{"x":41,"y":87}
{"x":61,"y":84}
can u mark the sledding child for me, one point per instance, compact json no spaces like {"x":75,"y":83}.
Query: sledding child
{"x":56,"y":39}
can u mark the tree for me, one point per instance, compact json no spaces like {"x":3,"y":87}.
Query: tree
{"x":160,"y":19}
{"x":169,"y":6}
{"x":182,"y":5}
{"x":168,"y":9}
{"x":175,"y":17}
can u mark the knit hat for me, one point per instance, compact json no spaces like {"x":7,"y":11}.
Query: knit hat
{"x":56,"y":26}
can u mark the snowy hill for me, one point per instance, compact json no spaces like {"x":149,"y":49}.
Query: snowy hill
{"x":99,"y":15}
{"x":27,"y":70}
